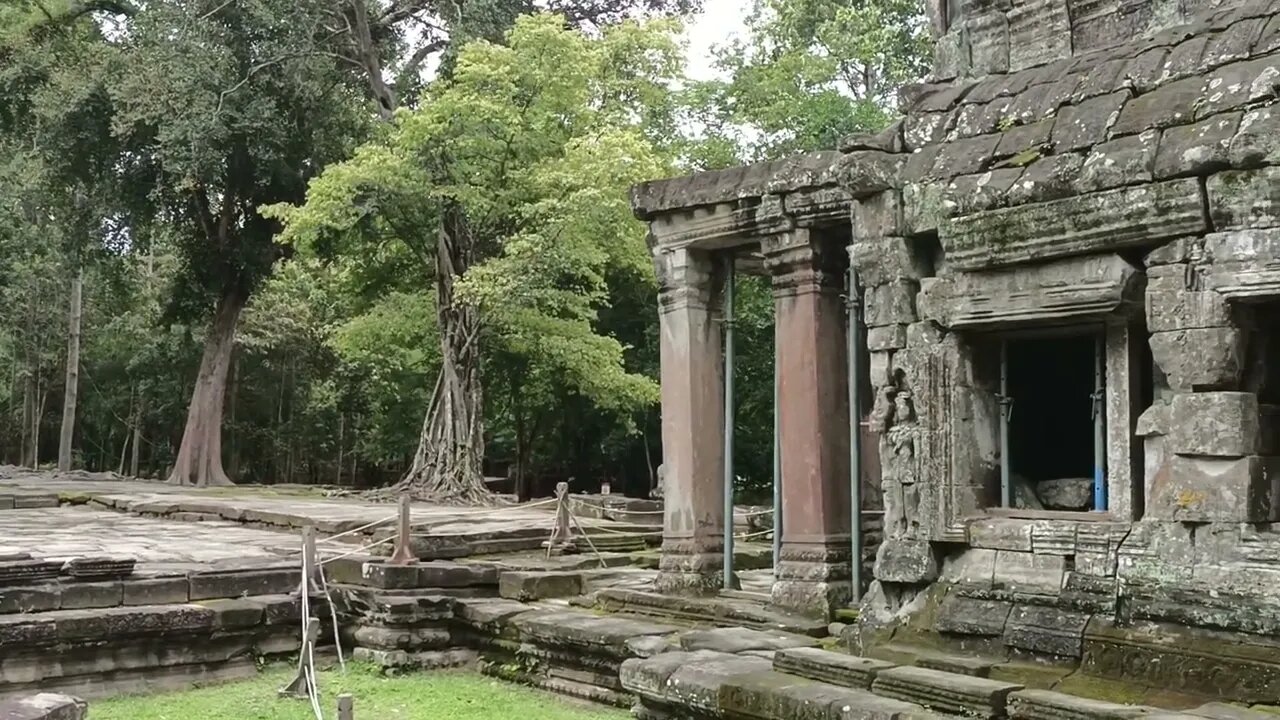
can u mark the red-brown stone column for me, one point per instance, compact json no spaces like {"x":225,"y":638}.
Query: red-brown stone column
{"x":692,"y":423}
{"x":813,"y":574}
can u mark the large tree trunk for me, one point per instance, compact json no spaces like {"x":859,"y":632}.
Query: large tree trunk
{"x":447,"y":465}
{"x":199,"y":460}
{"x":72,"y":386}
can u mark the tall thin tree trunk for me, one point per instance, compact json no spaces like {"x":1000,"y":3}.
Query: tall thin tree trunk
{"x":137,"y":437}
{"x":232,"y":395}
{"x":342,"y":426}
{"x":447,"y":465}
{"x":199,"y":460}
{"x":73,"y":375}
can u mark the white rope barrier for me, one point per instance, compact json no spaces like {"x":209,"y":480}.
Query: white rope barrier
{"x":359,"y":550}
{"x":454,"y":516}
{"x":362,"y":528}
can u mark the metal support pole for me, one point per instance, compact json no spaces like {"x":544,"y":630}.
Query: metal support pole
{"x":728,"y":420}
{"x":1006,"y":411}
{"x":777,"y":452}
{"x":1100,"y":425}
{"x":854,"y":331}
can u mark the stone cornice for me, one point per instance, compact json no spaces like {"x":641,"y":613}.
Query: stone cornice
{"x":802,"y":265}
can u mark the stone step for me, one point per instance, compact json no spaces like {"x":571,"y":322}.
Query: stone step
{"x":902,"y":654}
{"x":775,"y":696}
{"x":1049,"y":705}
{"x":831,"y":667}
{"x":1226,"y":711}
{"x":945,"y":692}
{"x":740,"y":640}
{"x":707,"y":611}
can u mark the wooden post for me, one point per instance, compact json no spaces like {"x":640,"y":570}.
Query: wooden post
{"x":346,"y":707}
{"x":403,"y":554}
{"x":561,"y":533}
{"x":310,"y":568}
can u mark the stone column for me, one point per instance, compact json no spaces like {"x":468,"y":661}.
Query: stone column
{"x":692,"y":423}
{"x":813,"y":574}
{"x":1211,"y":469}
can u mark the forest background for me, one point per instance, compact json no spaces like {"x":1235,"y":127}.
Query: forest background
{"x":357,"y":242}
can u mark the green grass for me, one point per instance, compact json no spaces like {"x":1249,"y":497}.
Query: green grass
{"x":418,"y":696}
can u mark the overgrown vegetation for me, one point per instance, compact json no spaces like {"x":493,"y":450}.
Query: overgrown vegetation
{"x":361,"y":241}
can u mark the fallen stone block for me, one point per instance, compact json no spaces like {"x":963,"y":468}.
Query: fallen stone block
{"x":830,"y":667}
{"x":737,"y":640}
{"x":527,"y":586}
{"x":647,"y":677}
{"x":945,"y":692}
{"x":44,"y":706}
{"x":606,"y":635}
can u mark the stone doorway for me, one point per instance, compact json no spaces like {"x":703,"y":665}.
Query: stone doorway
{"x":1054,"y":412}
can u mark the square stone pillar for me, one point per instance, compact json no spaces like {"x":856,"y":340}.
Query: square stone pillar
{"x":692,"y":423}
{"x":813,"y":574}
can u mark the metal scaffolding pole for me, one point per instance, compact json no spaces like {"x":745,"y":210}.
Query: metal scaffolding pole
{"x":1006,"y":412}
{"x":728,"y":420}
{"x":854,"y":326}
{"x":1100,"y":424}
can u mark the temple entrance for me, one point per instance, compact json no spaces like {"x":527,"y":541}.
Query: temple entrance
{"x":1052,"y":439}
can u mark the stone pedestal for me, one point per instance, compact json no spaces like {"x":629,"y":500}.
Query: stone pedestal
{"x":813,"y":574}
{"x":692,"y":423}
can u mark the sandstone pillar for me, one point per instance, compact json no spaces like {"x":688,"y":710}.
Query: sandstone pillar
{"x":813,"y":574}
{"x":692,"y":423}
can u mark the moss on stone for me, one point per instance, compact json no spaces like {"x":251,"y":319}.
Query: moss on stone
{"x":1032,"y":675}
{"x":1091,"y":686}
{"x":848,"y":615}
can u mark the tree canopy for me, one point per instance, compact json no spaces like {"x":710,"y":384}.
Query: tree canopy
{"x":365,"y":241}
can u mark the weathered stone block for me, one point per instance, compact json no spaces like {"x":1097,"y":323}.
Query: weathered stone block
{"x":1214,"y":424}
{"x":1199,"y":489}
{"x":1124,"y":161}
{"x":1170,"y":306}
{"x":830,"y":667}
{"x":889,"y":337}
{"x":893,"y":303}
{"x":1246,"y":247}
{"x":882,"y":260}
{"x":1197,"y":149}
{"x":1085,"y":125}
{"x":76,"y":596}
{"x":1001,"y":534}
{"x":1050,"y":292}
{"x":946,"y":692}
{"x":44,"y":706}
{"x":1245,"y":198}
{"x":30,"y":599}
{"x":157,"y":591}
{"x":988,"y":42}
{"x":235,"y":583}
{"x":878,"y":215}
{"x":1039,"y":32}
{"x":1048,"y":630}
{"x":906,"y":561}
{"x":1050,"y":178}
{"x":739,"y":639}
{"x":1257,"y":141}
{"x":962,"y":615}
{"x":1170,"y":104}
{"x":1200,"y":358}
{"x":1024,"y":572}
{"x":1089,"y":223}
{"x":973,"y":566}
{"x":1049,"y":705}
{"x":527,"y":586}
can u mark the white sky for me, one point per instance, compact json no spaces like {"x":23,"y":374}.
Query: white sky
{"x":719,"y":21}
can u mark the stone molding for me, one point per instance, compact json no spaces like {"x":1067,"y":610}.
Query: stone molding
{"x":1072,"y":289}
{"x":687,"y":279}
{"x":801,"y":264}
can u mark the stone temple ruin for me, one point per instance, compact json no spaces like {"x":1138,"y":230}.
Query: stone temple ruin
{"x":1067,"y":266}
{"x":1063,"y":272}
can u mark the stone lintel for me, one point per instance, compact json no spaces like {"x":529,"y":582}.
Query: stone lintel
{"x":1071,"y":289}
{"x":1124,"y":217}
{"x":731,"y":185}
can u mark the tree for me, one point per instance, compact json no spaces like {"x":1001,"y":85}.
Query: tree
{"x":808,"y":73}
{"x":521,"y":161}
{"x":226,"y":107}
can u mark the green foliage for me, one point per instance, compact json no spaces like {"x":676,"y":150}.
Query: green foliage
{"x":808,"y":73}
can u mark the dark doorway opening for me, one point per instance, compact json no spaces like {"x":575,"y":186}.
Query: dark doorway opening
{"x":1052,"y":383}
